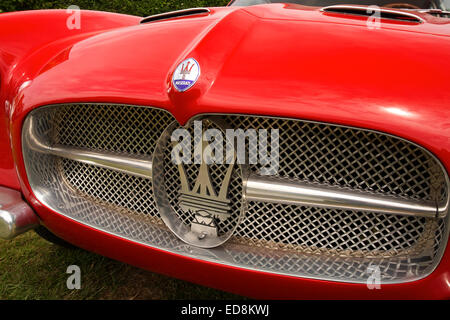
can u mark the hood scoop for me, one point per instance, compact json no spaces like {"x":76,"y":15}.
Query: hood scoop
{"x":365,"y":11}
{"x":176,"y":14}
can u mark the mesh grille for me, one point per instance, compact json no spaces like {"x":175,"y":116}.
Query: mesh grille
{"x":299,"y":240}
{"x":114,"y":128}
{"x":350,"y":158}
{"x":115,"y":188}
{"x":349,"y":233}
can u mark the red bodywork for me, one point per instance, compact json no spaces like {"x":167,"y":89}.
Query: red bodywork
{"x":280,"y":60}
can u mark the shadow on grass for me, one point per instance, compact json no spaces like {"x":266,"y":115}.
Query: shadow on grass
{"x":32,"y":268}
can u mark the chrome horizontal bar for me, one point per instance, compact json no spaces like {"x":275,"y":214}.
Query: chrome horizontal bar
{"x":127,"y":164}
{"x":139,"y":166}
{"x":279,"y":190}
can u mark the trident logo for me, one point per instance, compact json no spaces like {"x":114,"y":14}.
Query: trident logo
{"x":186,"y":75}
{"x":185,"y":70}
{"x":203,"y":201}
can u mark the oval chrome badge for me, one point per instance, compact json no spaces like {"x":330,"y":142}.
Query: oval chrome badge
{"x":186,"y":75}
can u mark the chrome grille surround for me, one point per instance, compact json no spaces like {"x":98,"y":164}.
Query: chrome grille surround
{"x":305,"y":241}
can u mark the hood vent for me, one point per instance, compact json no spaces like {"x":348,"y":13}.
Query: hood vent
{"x":176,"y":14}
{"x":384,"y":13}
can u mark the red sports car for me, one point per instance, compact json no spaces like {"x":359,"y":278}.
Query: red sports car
{"x":295,"y":149}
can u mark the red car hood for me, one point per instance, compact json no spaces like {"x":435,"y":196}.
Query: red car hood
{"x":283,"y":60}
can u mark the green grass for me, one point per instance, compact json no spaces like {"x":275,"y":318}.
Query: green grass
{"x":140,"y":8}
{"x":32,"y":268}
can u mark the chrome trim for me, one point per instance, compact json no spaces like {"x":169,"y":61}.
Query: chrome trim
{"x":282,"y":190}
{"x":443,"y":208}
{"x":365,"y":8}
{"x":176,"y":14}
{"x":132,"y":165}
{"x":435,"y":11}
{"x":16,"y":216}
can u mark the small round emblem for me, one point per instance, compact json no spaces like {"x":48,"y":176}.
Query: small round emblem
{"x":186,"y":75}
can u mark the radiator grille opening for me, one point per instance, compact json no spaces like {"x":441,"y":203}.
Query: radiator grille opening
{"x":298,"y":240}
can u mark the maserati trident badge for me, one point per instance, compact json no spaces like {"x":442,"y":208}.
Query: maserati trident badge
{"x":186,"y":75}
{"x":203,"y":202}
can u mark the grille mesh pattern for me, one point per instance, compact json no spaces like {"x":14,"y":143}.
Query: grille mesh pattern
{"x":116,"y":188}
{"x":114,"y":128}
{"x":348,"y":233}
{"x":349,"y":157}
{"x":306,"y":241}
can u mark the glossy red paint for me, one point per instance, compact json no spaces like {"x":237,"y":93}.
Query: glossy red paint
{"x":280,"y":60}
{"x":23,"y":36}
{"x":8,"y":176}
